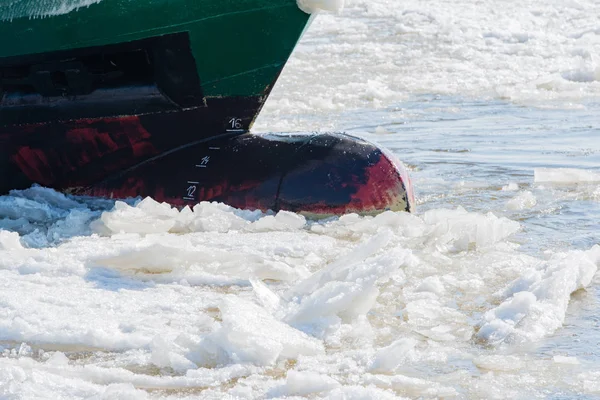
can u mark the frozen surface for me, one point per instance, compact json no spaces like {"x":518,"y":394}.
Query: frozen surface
{"x":146,"y":299}
{"x":380,"y":52}
{"x":490,"y":290}
{"x":312,"y":6}
{"x":11,"y":9}
{"x":566,"y":175}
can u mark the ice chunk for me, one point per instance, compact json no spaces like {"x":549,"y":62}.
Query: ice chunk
{"x":539,"y":308}
{"x":9,"y":241}
{"x":341,"y":268}
{"x":413,"y":387}
{"x":522,"y":201}
{"x":284,"y":220}
{"x":312,"y":6}
{"x":565,"y":360}
{"x":148,"y":216}
{"x":591,"y":382}
{"x":356,"y":392}
{"x":166,"y":355}
{"x":391,"y":357}
{"x":499,"y":363}
{"x":431,"y":284}
{"x":565,"y":175}
{"x":511,"y":187}
{"x":59,"y":359}
{"x":47,"y":196}
{"x":583,"y":75}
{"x":306,"y":383}
{"x":122,"y":391}
{"x":217,"y":217}
{"x":434,"y":320}
{"x":346,"y":288}
{"x":248,"y":334}
{"x":461,"y":229}
{"x":269,"y":300}
{"x":501,"y":321}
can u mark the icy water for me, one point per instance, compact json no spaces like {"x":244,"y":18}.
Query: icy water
{"x":489,"y":290}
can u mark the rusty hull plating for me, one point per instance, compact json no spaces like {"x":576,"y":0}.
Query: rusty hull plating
{"x":318,"y":175}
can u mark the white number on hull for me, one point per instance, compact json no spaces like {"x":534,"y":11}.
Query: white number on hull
{"x":235,"y":123}
{"x":191,"y":191}
{"x":203,"y":162}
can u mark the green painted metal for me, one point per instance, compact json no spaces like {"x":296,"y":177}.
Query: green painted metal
{"x":240,"y":46}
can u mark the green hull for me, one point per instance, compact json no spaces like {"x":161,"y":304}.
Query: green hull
{"x":239,"y":45}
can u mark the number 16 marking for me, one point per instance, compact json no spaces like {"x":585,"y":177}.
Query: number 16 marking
{"x":236,"y":123}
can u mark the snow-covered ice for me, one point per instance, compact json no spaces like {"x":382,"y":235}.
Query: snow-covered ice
{"x":224,"y":301}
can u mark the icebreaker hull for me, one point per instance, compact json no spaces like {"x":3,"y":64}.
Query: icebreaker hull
{"x":317,"y":174}
{"x":120,"y":98}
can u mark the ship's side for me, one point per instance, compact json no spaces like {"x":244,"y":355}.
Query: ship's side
{"x":89,"y":93}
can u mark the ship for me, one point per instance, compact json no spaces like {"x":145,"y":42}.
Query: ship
{"x":136,"y":98}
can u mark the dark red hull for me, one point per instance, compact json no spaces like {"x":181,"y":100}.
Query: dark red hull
{"x":70,"y":154}
{"x":320,"y":174}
